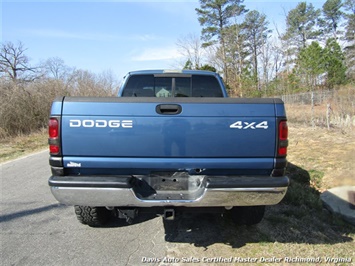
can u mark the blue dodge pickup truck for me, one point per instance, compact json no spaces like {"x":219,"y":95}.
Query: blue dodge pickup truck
{"x":171,"y":141}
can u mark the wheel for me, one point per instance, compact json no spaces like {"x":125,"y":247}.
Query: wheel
{"x":247,"y":215}
{"x":92,"y":216}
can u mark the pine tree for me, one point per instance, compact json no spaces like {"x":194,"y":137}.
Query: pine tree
{"x":301,"y":24}
{"x":311,"y":64}
{"x":349,"y":5}
{"x":215,"y":16}
{"x":256,"y":31}
{"x":334,"y":63}
{"x":332,"y":16}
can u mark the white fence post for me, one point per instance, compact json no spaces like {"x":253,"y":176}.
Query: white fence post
{"x":329,"y":109}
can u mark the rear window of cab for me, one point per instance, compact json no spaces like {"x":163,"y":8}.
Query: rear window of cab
{"x":175,"y":86}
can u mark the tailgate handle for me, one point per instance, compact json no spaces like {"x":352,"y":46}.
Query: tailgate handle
{"x":168,"y":109}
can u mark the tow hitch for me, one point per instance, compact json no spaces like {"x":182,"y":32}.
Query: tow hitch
{"x":128,"y":214}
{"x":169,"y":214}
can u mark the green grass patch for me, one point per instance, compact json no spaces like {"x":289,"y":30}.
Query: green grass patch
{"x":301,"y":192}
{"x":316,"y":178}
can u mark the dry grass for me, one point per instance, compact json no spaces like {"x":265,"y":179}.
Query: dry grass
{"x":13,"y":147}
{"x":327,"y":153}
{"x":341,"y":113}
{"x":302,"y":114}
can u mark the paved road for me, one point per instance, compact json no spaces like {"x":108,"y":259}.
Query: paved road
{"x":36,"y":230}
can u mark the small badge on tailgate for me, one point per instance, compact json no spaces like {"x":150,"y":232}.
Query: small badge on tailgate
{"x":73,"y":164}
{"x":249,"y":125}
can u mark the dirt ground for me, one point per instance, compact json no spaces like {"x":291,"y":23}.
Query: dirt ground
{"x":330,"y":153}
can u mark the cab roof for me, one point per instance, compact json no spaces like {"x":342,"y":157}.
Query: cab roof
{"x":175,"y":72}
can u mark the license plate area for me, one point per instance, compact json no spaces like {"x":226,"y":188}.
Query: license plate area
{"x":169,"y":186}
{"x":166,"y":182}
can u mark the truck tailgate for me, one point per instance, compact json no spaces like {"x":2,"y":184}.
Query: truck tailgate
{"x":208,"y":128}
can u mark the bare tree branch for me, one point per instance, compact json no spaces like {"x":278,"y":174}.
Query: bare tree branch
{"x":14,"y":63}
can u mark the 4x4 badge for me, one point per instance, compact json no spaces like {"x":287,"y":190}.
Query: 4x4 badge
{"x":249,"y":125}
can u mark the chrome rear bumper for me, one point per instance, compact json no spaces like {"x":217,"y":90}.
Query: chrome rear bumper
{"x":195,"y":191}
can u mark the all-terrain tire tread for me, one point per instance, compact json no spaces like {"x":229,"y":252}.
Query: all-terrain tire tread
{"x":92,"y":216}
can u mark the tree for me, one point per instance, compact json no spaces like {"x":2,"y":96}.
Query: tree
{"x":236,"y":52}
{"x":208,"y":68}
{"x":190,"y":47}
{"x":300,"y":24}
{"x":56,"y":68}
{"x":334,"y":63}
{"x":311,"y":63}
{"x":332,"y":16}
{"x":349,"y":5}
{"x":14,"y":63}
{"x":268,"y":61}
{"x":215,"y":16}
{"x":188,"y":65}
{"x":284,"y":61}
{"x":257,"y":33}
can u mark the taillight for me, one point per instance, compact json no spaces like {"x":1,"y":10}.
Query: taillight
{"x":283,"y":138}
{"x":53,"y":128}
{"x":53,"y":132}
{"x":54,"y":149}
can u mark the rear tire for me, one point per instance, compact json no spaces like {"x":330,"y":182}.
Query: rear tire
{"x":247,"y":215}
{"x":92,"y":216}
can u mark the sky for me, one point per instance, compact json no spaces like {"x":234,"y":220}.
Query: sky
{"x":116,"y":36}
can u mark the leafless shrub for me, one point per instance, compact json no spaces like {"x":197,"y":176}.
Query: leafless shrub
{"x":24,"y":107}
{"x":85,"y":83}
{"x":20,"y":111}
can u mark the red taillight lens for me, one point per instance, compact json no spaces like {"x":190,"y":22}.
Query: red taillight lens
{"x":283,"y":130}
{"x":53,"y":128}
{"x":283,"y":151}
{"x":53,"y":132}
{"x":283,"y":135}
{"x":54,"y":149}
